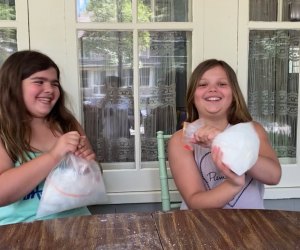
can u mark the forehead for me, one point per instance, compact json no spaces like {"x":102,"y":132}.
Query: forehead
{"x":215,"y":72}
{"x":49,"y":74}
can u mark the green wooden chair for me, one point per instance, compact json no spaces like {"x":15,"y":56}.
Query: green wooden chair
{"x":167,"y":204}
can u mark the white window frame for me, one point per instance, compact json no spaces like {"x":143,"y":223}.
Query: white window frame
{"x":20,"y":24}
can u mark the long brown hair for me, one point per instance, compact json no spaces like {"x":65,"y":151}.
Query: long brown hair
{"x":238,"y":111}
{"x":15,"y":130}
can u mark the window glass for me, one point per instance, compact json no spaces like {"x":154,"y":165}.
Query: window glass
{"x":8,"y":43}
{"x":8,"y":36}
{"x":291,"y":10}
{"x":273,"y":85}
{"x":105,"y":59}
{"x":7,"y":10}
{"x":267,"y":10}
{"x":109,"y":11}
{"x":163,"y":60}
{"x":163,"y":10}
{"x":263,"y":10}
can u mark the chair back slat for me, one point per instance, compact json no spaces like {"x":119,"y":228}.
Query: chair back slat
{"x":167,"y":205}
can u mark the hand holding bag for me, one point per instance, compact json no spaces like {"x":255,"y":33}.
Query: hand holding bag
{"x":74,"y":183}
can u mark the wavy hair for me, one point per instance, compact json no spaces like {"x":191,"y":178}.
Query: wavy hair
{"x":238,"y":111}
{"x":15,"y":130}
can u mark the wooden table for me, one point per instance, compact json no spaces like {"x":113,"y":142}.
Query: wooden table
{"x":229,"y":229}
{"x":191,"y":229}
{"x":106,"y":231}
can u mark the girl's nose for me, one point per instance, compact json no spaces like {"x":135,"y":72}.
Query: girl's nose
{"x":212,"y":88}
{"x":48,"y":87}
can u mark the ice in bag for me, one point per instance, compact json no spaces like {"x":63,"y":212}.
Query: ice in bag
{"x":74,"y":183}
{"x":240,"y":146}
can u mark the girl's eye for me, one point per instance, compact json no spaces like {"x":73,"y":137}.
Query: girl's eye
{"x":38,"y":82}
{"x":201,"y":84}
{"x":223,"y":84}
{"x":55,"y":84}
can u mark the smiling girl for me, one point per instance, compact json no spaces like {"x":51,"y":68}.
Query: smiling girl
{"x":200,"y":176}
{"x":36,"y":132}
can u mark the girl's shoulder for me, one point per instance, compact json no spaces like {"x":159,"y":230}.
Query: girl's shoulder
{"x":177,"y":136}
{"x":260,"y":130}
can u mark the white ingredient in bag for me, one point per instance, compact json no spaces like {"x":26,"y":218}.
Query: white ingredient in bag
{"x":74,"y":183}
{"x":240,"y":146}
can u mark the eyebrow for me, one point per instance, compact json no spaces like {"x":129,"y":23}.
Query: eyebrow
{"x":205,"y":79}
{"x":44,"y":79}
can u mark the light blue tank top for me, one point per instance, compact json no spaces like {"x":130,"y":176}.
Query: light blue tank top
{"x":25,"y":209}
{"x":251,"y":195}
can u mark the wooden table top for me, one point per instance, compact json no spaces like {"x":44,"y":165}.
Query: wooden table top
{"x":103,"y":231}
{"x":190,"y":229}
{"x":229,"y":229}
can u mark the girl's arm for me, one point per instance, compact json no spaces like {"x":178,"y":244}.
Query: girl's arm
{"x":189,"y":182}
{"x":16,"y":182}
{"x":267,"y":168}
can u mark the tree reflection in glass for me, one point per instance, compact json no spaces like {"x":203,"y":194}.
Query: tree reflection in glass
{"x":8,"y":36}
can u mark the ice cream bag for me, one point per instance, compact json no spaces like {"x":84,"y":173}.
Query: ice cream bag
{"x":74,"y":183}
{"x":240,"y":146}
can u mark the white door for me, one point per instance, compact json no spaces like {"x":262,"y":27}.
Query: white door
{"x":269,"y":67}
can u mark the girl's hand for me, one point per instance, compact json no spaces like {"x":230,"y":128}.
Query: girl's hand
{"x":66,"y":143}
{"x":205,"y":135}
{"x":231,"y":177}
{"x":84,"y":149}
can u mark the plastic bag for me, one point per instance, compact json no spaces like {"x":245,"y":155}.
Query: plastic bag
{"x":188,"y":132}
{"x":74,"y":183}
{"x":240,"y":146}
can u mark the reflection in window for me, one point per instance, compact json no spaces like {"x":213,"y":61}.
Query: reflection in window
{"x":7,"y":10}
{"x":273,"y":86}
{"x":105,"y":59}
{"x":121,"y":11}
{"x":8,"y":43}
{"x":104,"y":11}
{"x":163,"y":60}
{"x":164,"y":10}
{"x":263,"y":10}
{"x":267,"y":10}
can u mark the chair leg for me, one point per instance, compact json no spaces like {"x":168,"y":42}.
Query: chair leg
{"x":165,"y":197}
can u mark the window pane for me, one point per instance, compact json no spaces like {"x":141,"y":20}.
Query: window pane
{"x":267,"y":10}
{"x":104,"y":11}
{"x":273,"y":86}
{"x":163,"y":60}
{"x":8,"y":43}
{"x":263,"y":10}
{"x":291,"y":10}
{"x":163,"y":10}
{"x":107,"y":86}
{"x":7,"y":10}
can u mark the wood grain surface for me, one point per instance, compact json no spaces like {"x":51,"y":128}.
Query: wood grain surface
{"x":229,"y":229}
{"x":107,"y":231}
{"x":191,"y":229}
